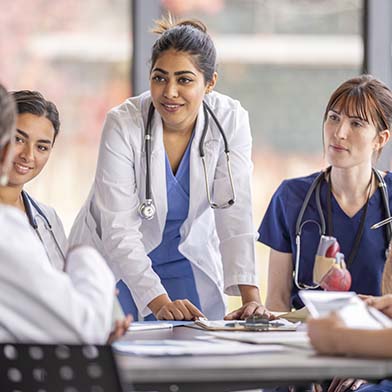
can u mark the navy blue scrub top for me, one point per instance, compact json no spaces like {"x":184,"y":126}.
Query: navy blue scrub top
{"x":174,"y":270}
{"x":277,"y":230}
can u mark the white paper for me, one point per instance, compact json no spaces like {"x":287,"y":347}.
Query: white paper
{"x":265,"y":337}
{"x":189,"y":347}
{"x":147,"y":326}
{"x":353,"y":311}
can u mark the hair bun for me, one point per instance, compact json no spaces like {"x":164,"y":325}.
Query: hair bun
{"x":169,"y":22}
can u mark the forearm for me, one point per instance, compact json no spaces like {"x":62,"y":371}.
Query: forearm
{"x":386,"y":285}
{"x":249,"y":293}
{"x":366,"y":343}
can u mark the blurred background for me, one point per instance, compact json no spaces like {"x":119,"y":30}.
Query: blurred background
{"x":280,"y":58}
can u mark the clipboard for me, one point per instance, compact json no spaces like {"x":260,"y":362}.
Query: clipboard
{"x":250,"y":325}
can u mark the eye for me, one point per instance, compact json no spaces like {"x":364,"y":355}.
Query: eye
{"x":357,"y":124}
{"x":184,"y":80}
{"x":333,"y":117}
{"x":18,"y":139}
{"x":158,"y":79}
{"x":43,"y":148}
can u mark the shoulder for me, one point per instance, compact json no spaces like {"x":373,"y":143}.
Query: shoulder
{"x":223,"y":103}
{"x":133,"y":109}
{"x":296,"y":186}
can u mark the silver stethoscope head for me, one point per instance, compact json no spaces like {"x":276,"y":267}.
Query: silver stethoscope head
{"x":147,"y":209}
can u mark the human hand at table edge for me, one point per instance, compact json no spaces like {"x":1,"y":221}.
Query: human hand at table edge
{"x":325,"y":334}
{"x":383,"y":304}
{"x":120,"y":329}
{"x":251,"y":305}
{"x":180,"y":309}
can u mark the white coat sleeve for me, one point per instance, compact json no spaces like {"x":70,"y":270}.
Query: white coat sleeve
{"x":117,"y":202}
{"x":234,"y":225}
{"x":42,"y":304}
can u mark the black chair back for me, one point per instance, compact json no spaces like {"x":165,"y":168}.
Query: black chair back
{"x":57,"y":368}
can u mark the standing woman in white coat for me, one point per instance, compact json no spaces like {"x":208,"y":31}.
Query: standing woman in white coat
{"x":166,"y":223}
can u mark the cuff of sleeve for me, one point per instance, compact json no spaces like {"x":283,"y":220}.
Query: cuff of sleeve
{"x":231,"y":284}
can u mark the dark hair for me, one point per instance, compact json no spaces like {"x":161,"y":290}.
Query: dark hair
{"x":33,"y":102}
{"x":188,"y":36}
{"x":7,"y":116}
{"x":365,"y":97}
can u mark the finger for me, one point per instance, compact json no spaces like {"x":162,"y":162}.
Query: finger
{"x":345,"y":385}
{"x":177,"y":314}
{"x":234,"y":315}
{"x":357,"y":383}
{"x":164,"y":314}
{"x":335,"y":382}
{"x":193,"y":309}
{"x":184,"y":310}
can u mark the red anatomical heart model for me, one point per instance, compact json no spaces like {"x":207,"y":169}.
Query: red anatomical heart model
{"x":338,"y":278}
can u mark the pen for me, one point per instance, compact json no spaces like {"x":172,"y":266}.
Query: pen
{"x":381,"y":223}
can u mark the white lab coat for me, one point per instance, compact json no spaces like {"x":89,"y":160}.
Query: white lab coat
{"x":55,"y":255}
{"x":39,"y":303}
{"x":109,"y":219}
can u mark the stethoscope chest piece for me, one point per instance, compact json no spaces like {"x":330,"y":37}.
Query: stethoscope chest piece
{"x":147,"y":209}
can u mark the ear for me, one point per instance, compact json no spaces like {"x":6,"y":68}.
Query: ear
{"x":212,"y":83}
{"x":382,"y":139}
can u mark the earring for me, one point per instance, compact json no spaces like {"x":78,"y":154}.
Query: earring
{"x":4,"y":179}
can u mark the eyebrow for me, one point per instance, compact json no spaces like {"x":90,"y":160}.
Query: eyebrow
{"x":355,"y":117}
{"x":175,"y":73}
{"x":26,"y":135}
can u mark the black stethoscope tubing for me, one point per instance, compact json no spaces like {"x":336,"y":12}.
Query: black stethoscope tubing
{"x":147,"y":208}
{"x":28,"y":203}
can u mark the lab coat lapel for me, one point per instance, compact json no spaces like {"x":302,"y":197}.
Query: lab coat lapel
{"x":197,"y":186}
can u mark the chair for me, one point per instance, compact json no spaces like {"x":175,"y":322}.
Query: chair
{"x":57,"y":368}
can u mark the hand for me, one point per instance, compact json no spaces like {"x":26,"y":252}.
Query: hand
{"x":348,"y":384}
{"x":249,"y":309}
{"x":323,"y":333}
{"x":384,"y":303}
{"x":120,"y":328}
{"x":181,"y":309}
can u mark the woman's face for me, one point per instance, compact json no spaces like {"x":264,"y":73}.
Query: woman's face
{"x":33,"y":145}
{"x":351,"y":141}
{"x":177,"y":90}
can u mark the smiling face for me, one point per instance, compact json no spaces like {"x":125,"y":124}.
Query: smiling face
{"x":350,"y":140}
{"x":33,"y":144}
{"x":177,"y":90}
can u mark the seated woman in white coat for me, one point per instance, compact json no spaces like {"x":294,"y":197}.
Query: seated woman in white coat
{"x":37,"y":126}
{"x":168,"y":208}
{"x":37,"y":302}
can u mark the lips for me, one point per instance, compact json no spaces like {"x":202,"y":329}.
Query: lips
{"x":21,"y":168}
{"x":337,"y":147}
{"x":171,"y":107}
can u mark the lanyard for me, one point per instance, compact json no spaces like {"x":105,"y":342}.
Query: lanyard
{"x":359,"y":234}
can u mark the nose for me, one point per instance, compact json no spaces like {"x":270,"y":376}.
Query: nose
{"x":27,"y":153}
{"x":342,"y":129}
{"x":171,"y":90}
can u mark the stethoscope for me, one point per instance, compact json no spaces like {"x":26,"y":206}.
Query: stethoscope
{"x":28,"y":203}
{"x":147,"y":207}
{"x":315,"y":188}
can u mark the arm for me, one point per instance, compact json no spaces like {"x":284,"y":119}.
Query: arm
{"x":116,"y":201}
{"x":46,"y":305}
{"x":386,"y":283}
{"x":280,"y":281}
{"x":330,"y":336}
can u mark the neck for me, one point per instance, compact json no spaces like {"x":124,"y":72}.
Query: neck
{"x":351,"y":183}
{"x":11,"y":196}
